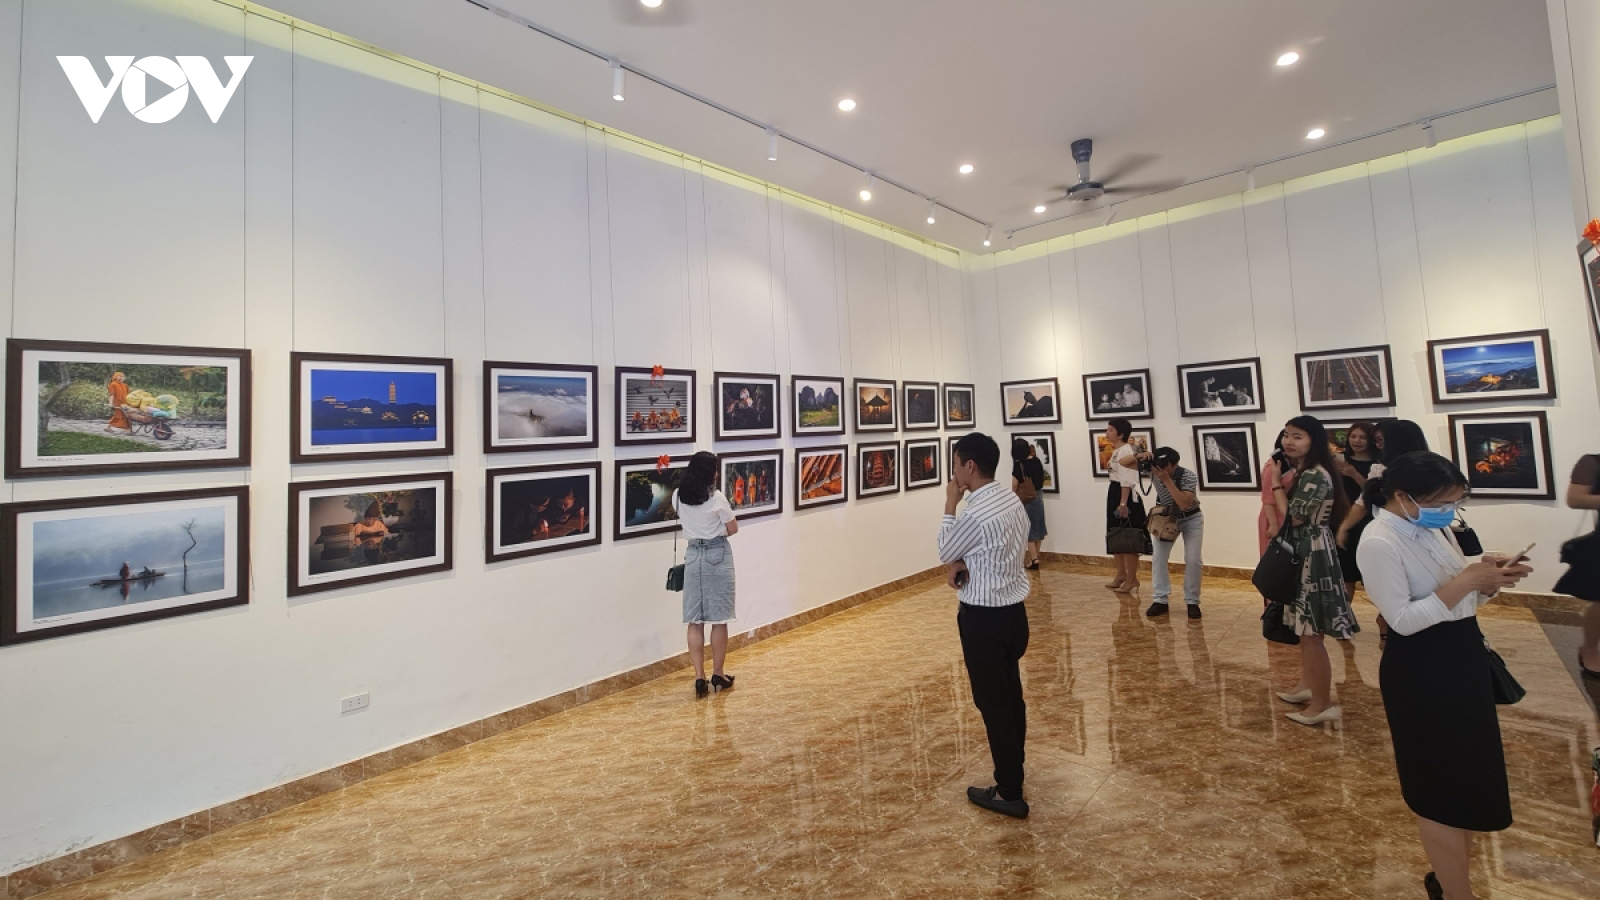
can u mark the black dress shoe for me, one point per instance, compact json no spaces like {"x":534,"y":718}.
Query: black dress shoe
{"x":1156,"y":609}
{"x":721,"y":683}
{"x":1194,"y":610}
{"x":1587,"y":672}
{"x":989,"y":798}
{"x":1430,"y":883}
{"x":701,"y":687}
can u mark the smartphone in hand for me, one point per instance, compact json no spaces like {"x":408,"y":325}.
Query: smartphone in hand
{"x":1519,"y":557}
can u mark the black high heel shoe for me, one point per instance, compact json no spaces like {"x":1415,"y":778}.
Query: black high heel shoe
{"x":722,"y":683}
{"x":1430,"y":883}
{"x":700,"y":687}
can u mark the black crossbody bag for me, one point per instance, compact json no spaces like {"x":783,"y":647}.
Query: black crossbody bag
{"x":675,"y":574}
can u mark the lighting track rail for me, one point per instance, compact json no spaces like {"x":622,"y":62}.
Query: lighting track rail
{"x":771,"y":131}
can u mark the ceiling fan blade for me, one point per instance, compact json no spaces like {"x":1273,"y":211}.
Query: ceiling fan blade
{"x":1126,"y":166}
{"x":1149,"y":187}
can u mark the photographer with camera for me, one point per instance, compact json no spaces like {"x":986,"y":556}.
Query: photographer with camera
{"x":1177,"y":514}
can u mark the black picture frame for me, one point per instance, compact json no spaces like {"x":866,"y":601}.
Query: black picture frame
{"x":885,"y":393}
{"x":494,"y":370}
{"x":1101,"y":383}
{"x":620,"y":530}
{"x":302,"y":435}
{"x":746,"y":511}
{"x":23,"y":399}
{"x":1228,"y":473}
{"x":919,"y":445}
{"x":443,"y":527}
{"x":950,"y":411}
{"x":1364,"y":369}
{"x":1589,"y":262}
{"x":920,"y":405}
{"x":1539,"y":358}
{"x":1471,"y":446}
{"x":1014,"y":394}
{"x":950,"y":455}
{"x":496,"y":480}
{"x":728,"y":431}
{"x":626,"y":377}
{"x":1194,"y":398}
{"x":892,"y":448}
{"x":797,"y":386}
{"x":1045,"y":441}
{"x":17,"y":628}
{"x":1097,"y":436}
{"x":836,"y":461}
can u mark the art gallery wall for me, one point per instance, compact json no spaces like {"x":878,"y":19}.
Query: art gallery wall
{"x":1472,"y":237}
{"x":349,"y":202}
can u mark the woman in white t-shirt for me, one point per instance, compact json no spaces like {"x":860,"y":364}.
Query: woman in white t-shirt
{"x":1123,"y":505}
{"x":707,"y":521}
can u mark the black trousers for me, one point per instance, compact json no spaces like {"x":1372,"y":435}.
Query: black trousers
{"x":993,"y":639}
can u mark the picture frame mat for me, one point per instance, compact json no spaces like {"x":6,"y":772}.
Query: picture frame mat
{"x":1093,"y":414}
{"x":494,"y":370}
{"x":303,"y":364}
{"x":1385,"y":376}
{"x":1539,"y":432}
{"x":776,"y":506}
{"x":801,"y":454}
{"x":1253,"y":463}
{"x":499,"y":551}
{"x":862,"y":491}
{"x":688,"y":377}
{"x":938,"y":465}
{"x":840,"y":390}
{"x":1025,"y":421}
{"x":621,"y":531}
{"x":933,"y":424}
{"x":1543,"y":358}
{"x":1258,"y":404}
{"x":775,"y":382}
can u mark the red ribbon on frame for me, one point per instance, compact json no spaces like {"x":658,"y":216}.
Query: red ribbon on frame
{"x":662,"y":462}
{"x":1591,"y":232}
{"x":657,"y":373}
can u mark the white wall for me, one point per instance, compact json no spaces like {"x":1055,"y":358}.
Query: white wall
{"x":350,"y":202}
{"x":1472,"y":237}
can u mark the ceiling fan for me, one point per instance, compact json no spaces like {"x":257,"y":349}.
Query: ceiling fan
{"x":1087,"y":189}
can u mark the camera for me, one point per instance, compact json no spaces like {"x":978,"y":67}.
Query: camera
{"x":1145,"y":465}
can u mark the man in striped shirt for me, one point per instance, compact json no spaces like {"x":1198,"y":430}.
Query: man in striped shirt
{"x":983,"y":548}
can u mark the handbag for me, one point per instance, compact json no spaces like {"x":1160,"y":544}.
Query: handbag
{"x":1025,"y":489}
{"x":1162,"y":524}
{"x":1506,"y":689}
{"x":1466,"y":538}
{"x":1273,"y":628}
{"x":1125,"y":538}
{"x":675,"y":574}
{"x":1277,"y":575}
{"x":1582,"y":577}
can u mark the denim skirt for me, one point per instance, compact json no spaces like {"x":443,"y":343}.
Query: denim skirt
{"x":1035,"y":510}
{"x":708,"y":582}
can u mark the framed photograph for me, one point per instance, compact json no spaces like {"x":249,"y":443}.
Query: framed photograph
{"x":747,"y":406}
{"x":369,"y":407}
{"x":1494,"y":367}
{"x":877,"y":469}
{"x":644,"y":496}
{"x":1504,"y":455}
{"x":818,"y":405}
{"x":84,"y":409}
{"x":655,"y":409}
{"x":1111,"y":395}
{"x":875,"y":405}
{"x":1035,"y":402}
{"x":541,"y":509}
{"x":353,"y":531}
{"x":922,"y":406}
{"x":1589,"y":258}
{"x":753,"y":482}
{"x":959,"y":411}
{"x":1221,"y":388}
{"x":1044,"y":447}
{"x":950,"y":456}
{"x":531,"y":406}
{"x":102,"y":562}
{"x":1100,"y":449}
{"x":1225,"y":457}
{"x":821,"y":476}
{"x":1336,"y":379}
{"x":922,"y":464}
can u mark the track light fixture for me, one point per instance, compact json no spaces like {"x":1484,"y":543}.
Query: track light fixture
{"x":1011,"y":241}
{"x":1250,"y":178}
{"x":930,"y":212}
{"x":1111,"y":213}
{"x":616,"y":81}
{"x":866,"y":192}
{"x":772,"y":145}
{"x":989,"y":238}
{"x":1429,"y":140}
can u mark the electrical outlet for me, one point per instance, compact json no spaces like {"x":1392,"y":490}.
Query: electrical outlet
{"x":355,"y":704}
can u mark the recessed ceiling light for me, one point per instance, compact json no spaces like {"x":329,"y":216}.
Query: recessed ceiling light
{"x":1288,"y":59}
{"x":651,"y":3}
{"x":966,"y":168}
{"x":847,"y":104}
{"x":1039,"y":208}
{"x":1315,"y":134}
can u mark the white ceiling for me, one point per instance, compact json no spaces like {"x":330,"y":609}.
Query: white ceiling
{"x":1003,"y":84}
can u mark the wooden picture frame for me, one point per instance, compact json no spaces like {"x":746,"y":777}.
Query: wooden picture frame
{"x":920,"y":405}
{"x":820,"y":467}
{"x":747,"y":422}
{"x":804,"y":405}
{"x":339,"y":532}
{"x":1017,"y":409}
{"x":1349,"y":378}
{"x":1044,"y":443}
{"x":1504,"y":455}
{"x":933,"y":477}
{"x":1515,"y":366}
{"x":157,"y":435}
{"x":768,"y":494}
{"x":1237,"y":466}
{"x":959,"y":406}
{"x":674,"y":394}
{"x":1113,"y":395}
{"x":317,"y":381}
{"x":1589,"y":262}
{"x":658,"y":516}
{"x":80,"y":597}
{"x":1196,"y":396}
{"x":873,"y":457}
{"x":870,"y":413}
{"x":1098,"y":452}
{"x":551,"y":529}
{"x":544,"y":390}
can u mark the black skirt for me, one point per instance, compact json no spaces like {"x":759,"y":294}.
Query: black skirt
{"x":1439,"y":700}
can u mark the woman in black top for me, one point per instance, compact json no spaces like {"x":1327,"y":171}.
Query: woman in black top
{"x":1394,"y":438}
{"x":1025,"y":464}
{"x":1354,"y":462}
{"x":1583,"y":492}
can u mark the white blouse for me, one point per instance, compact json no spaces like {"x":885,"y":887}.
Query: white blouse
{"x":1402,"y":565}
{"x":1120,"y":473}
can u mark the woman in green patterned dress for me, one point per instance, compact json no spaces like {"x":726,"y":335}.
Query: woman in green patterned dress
{"x":1322,"y":607}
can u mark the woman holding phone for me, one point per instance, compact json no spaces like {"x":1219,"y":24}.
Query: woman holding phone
{"x":1435,"y":674}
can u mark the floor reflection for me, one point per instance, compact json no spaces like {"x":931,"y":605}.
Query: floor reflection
{"x":1159,"y":765}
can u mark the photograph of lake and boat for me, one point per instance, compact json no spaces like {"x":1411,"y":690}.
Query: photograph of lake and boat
{"x":373,"y":406}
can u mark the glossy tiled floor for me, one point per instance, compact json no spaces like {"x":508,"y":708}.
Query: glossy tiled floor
{"x":1159,"y":766}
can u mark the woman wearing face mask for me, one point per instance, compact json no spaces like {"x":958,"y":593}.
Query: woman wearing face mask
{"x":1321,"y":608}
{"x":1435,"y":673}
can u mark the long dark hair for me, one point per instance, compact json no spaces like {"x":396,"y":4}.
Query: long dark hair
{"x":1366,"y":428}
{"x":1320,"y":454}
{"x":1401,"y":436}
{"x":1421,"y":475}
{"x":699,"y":479}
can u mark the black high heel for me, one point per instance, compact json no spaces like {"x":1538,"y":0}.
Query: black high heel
{"x":700,"y":688}
{"x":1430,"y":883}
{"x":722,"y":682}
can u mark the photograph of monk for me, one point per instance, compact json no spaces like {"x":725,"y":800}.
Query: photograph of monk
{"x":92,"y":409}
{"x":537,"y":509}
{"x":1031,"y":402}
{"x":751,"y":483}
{"x":821,"y":476}
{"x":875,"y":406}
{"x":655,"y":408}
{"x":358,"y":530}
